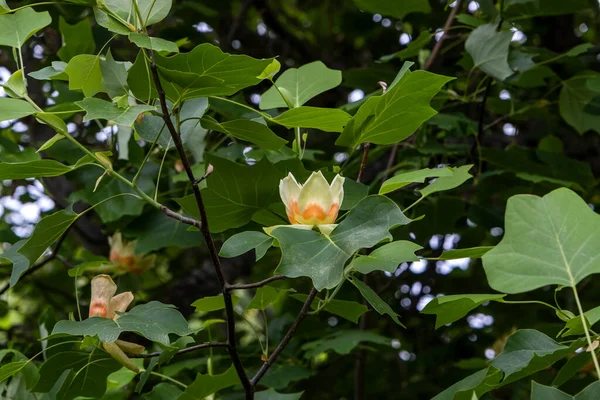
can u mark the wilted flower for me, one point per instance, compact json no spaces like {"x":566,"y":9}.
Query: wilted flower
{"x":104,"y":304}
{"x":122,"y":254}
{"x":314,"y":203}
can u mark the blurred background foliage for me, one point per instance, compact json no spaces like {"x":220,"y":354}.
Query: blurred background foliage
{"x":530,"y":133}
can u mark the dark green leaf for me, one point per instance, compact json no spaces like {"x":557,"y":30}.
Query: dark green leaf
{"x":349,"y":310}
{"x":518,"y":9}
{"x":281,"y":376}
{"x":163,"y":391}
{"x":213,"y":303}
{"x":146,"y":42}
{"x":412,"y":49}
{"x":572,"y":367}
{"x":271,"y":394}
{"x":575,"y":96}
{"x":264,"y":297}
{"x":324,"y":119}
{"x":76,"y":39}
{"x":114,"y":76}
{"x":342,"y":342}
{"x":248,"y":130}
{"x":397,"y":8}
{"x":387,"y":257}
{"x":243,"y":242}
{"x":489,"y":49}
{"x":452,"y":308}
{"x":20,"y":262}
{"x":480,"y":382}
{"x":205,"y":385}
{"x":473,"y":252}
{"x":100,"y":109}
{"x":374,"y":300}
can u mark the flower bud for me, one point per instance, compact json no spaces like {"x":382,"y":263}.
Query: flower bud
{"x":120,"y":356}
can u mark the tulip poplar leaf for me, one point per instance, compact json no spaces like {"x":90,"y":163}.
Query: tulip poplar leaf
{"x":271,"y":394}
{"x":350,"y":310}
{"x":213,"y":303}
{"x":14,"y":109}
{"x":324,"y":119}
{"x":343,"y":342}
{"x":452,"y":308}
{"x":16,"y":28}
{"x":374,"y":300}
{"x":153,"y":320}
{"x":243,"y":242}
{"x":154,"y":43}
{"x":489,"y":49}
{"x":265,"y":296}
{"x":541,"y":392}
{"x":300,"y":85}
{"x":406,"y":178}
{"x":387,"y":257}
{"x":101,"y":109}
{"x":322,"y":258}
{"x":205,"y":385}
{"x":456,"y":254}
{"x":479,"y":383}
{"x":19,"y":261}
{"x":550,"y":240}
{"x":84,"y":73}
{"x":459,"y":176}
{"x":395,"y":115}
{"x":77,"y":39}
{"x":248,"y":130}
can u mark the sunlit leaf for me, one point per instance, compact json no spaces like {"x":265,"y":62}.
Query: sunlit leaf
{"x":324,"y":119}
{"x":16,"y":28}
{"x":213,"y":303}
{"x":85,"y":74}
{"x":154,"y":43}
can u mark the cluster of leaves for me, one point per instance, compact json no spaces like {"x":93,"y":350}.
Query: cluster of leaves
{"x":164,"y":148}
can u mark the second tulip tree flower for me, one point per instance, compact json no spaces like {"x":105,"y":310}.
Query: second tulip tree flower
{"x":315,"y":203}
{"x":105,"y":304}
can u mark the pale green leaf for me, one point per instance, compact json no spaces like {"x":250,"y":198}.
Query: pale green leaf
{"x":15,"y":85}
{"x":100,"y":109}
{"x":575,"y":96}
{"x":50,"y":142}
{"x":387,"y":257}
{"x":38,"y":168}
{"x":480,"y":383}
{"x":265,"y":296}
{"x":153,"y":320}
{"x":349,"y":310}
{"x":548,"y":240}
{"x":16,"y":28}
{"x":20,"y":262}
{"x":489,"y":50}
{"x":114,"y":76}
{"x":405,"y":178}
{"x":146,"y":42}
{"x":55,"y":122}
{"x":213,"y":303}
{"x":324,"y":119}
{"x":56,"y":71}
{"x":270,"y":71}
{"x":459,"y":176}
{"x":452,"y":308}
{"x":151,"y":11}
{"x":76,"y":39}
{"x":300,"y":85}
{"x":14,"y":109}
{"x":85,"y":74}
{"x":472,"y":252}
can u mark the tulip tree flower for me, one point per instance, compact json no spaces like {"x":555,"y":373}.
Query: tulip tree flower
{"x":316,"y":203}
{"x":105,"y":304}
{"x":123,"y":256}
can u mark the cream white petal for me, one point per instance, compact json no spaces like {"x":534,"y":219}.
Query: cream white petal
{"x":120,"y":303}
{"x":289,"y":189}
{"x":315,"y":191}
{"x":103,"y":289}
{"x":337,"y":189}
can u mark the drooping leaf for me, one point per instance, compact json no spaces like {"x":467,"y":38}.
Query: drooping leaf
{"x":14,"y":109}
{"x":573,"y":366}
{"x":265,"y":296}
{"x":460,"y":175}
{"x":387,"y":257}
{"x":473,"y":252}
{"x":489,"y":50}
{"x":300,"y":85}
{"x":56,"y":123}
{"x":349,"y":310}
{"x":85,"y":74}
{"x":374,"y":300}
{"x":452,"y":308}
{"x":548,"y":240}
{"x":114,"y":76}
{"x":19,"y":261}
{"x":151,"y":12}
{"x":575,"y":325}
{"x":397,"y":8}
{"x":15,"y":85}
{"x":324,"y":119}
{"x":39,"y":168}
{"x":235,"y":192}
{"x":243,"y":242}
{"x":395,"y":115}
{"x":101,"y":109}
{"x":401,"y":180}
{"x":205,"y":385}
{"x":342,"y":342}
{"x":87,"y":373}
{"x":308,"y":253}
{"x":20,"y":364}
{"x":154,"y":43}
{"x":16,"y":28}
{"x":480,"y":382}
{"x":76,"y":39}
{"x":248,"y":130}
{"x":153,"y":320}
{"x":213,"y":303}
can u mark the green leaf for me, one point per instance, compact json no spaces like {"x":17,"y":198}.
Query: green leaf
{"x":528,"y":351}
{"x":19,"y":261}
{"x":76,"y":39}
{"x":163,"y":391}
{"x":20,"y":364}
{"x":16,"y":28}
{"x":213,"y":303}
{"x":243,"y":242}
{"x":14,"y":109}
{"x":395,"y":115}
{"x":324,"y":119}
{"x":271,"y":394}
{"x":153,"y":320}
{"x":579,"y":49}
{"x":300,"y":85}
{"x":572,"y":367}
{"x":349,"y":310}
{"x":548,"y":240}
{"x":248,"y":130}
{"x":150,"y":11}
{"x":489,"y":50}
{"x":527,"y":9}
{"x":87,"y":373}
{"x":46,"y":232}
{"x":406,"y":178}
{"x":54,"y":72}
{"x":114,"y":76}
{"x":146,"y":42}
{"x":265,"y":296}
{"x":473,"y":252}
{"x":81,"y":268}
{"x":480,"y":382}
{"x":412,"y":49}
{"x":235,"y":192}
{"x":4,"y":8}
{"x":38,"y":168}
{"x":396,"y":8}
{"x":452,"y":308}
{"x":387,"y":257}
{"x":205,"y":385}
{"x":270,"y":71}
{"x":56,"y":123}
{"x":85,"y":74}
{"x":281,"y":376}
{"x":574,"y":326}
{"x":322,"y":258}
{"x":15,"y":85}
{"x":374,"y":300}
{"x":342,"y":342}
{"x":100,"y":109}
{"x":575,"y":96}
{"x":460,"y":175}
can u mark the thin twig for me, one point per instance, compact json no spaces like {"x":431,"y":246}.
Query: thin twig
{"x":182,"y":351}
{"x":204,"y":228}
{"x":255,"y":284}
{"x":288,"y":336}
{"x":39,"y":265}
{"x":476,"y":150}
{"x":363,"y":162}
{"x":186,"y":220}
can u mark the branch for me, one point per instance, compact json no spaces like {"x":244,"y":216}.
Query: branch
{"x":288,"y":336}
{"x":363,"y":162}
{"x":255,"y":284}
{"x":190,"y":221}
{"x":39,"y":265}
{"x":204,"y":228}
{"x":182,"y":351}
